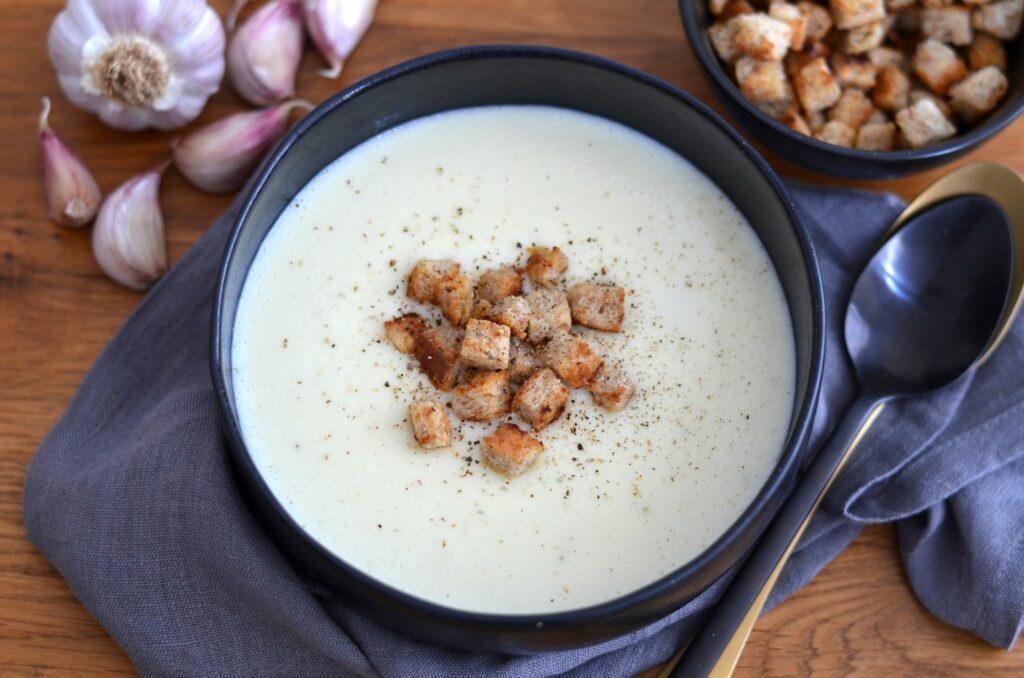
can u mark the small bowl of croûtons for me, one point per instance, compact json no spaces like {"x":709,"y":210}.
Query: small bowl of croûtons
{"x":863,"y":88}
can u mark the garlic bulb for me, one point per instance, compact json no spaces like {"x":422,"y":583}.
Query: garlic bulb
{"x":128,"y":238}
{"x":265,"y":53}
{"x":336,"y":27}
{"x":71,"y":191}
{"x":219,"y":157}
{"x":138,"y":63}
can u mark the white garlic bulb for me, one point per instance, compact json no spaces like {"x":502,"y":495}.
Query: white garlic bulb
{"x":138,"y":63}
{"x":128,"y":237}
{"x":336,"y":27}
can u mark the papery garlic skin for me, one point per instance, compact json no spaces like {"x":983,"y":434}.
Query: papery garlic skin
{"x":336,"y":27}
{"x":139,"y":63}
{"x":71,"y":191}
{"x":219,"y":157}
{"x":128,"y":238}
{"x":265,"y":52}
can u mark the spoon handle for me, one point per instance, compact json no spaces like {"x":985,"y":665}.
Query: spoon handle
{"x":716,"y":649}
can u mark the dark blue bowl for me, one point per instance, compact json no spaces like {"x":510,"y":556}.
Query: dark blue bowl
{"x":525,"y":75}
{"x":837,"y":160}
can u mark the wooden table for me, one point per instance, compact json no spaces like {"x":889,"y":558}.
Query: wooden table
{"x":57,"y":311}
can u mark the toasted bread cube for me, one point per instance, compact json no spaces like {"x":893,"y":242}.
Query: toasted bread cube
{"x":777,"y":109}
{"x":815,"y":86}
{"x":794,"y":121}
{"x":891,"y":89}
{"x":876,"y":137}
{"x":498,"y":283}
{"x":978,"y":93}
{"x":837,"y":133}
{"x":794,"y":61}
{"x":761,"y":37}
{"x":986,"y":51}
{"x":716,"y":6}
{"x":923,"y":123}
{"x":935,"y":4}
{"x":549,"y":315}
{"x":430,"y":424}
{"x":571,"y":358}
{"x":853,"y":71}
{"x":763,"y":82}
{"x":438,"y":356}
{"x":510,"y":450}
{"x":880,"y":57}
{"x":918,"y":94}
{"x":947,"y":24}
{"x":896,"y":5}
{"x":735,"y":8}
{"x":849,"y":14}
{"x":877,"y":117}
{"x":611,"y":389}
{"x":486,"y":345}
{"x":792,"y":17}
{"x":819,"y":20}
{"x":599,"y":307}
{"x":861,"y":39}
{"x":522,"y":362}
{"x":815,"y":120}
{"x":513,"y":313}
{"x":403,"y":331}
{"x":541,"y":400}
{"x":453,"y":294}
{"x":546,"y":267}
{"x":938,"y":66}
{"x":425,"y":275}
{"x":1000,"y":19}
{"x":852,"y":109}
{"x":482,"y":396}
{"x":721,"y":35}
{"x":481,"y":309}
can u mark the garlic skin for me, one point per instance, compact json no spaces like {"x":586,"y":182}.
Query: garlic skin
{"x":265,"y":52}
{"x":128,"y":238}
{"x":336,"y":27}
{"x":138,"y":63}
{"x":71,"y":191}
{"x":219,"y":157}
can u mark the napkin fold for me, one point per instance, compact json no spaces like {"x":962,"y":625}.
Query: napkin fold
{"x":131,"y":497}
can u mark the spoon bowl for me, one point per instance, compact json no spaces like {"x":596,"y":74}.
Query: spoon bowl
{"x":930,"y":300}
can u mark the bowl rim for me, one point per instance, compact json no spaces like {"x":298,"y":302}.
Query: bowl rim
{"x":712,"y":65}
{"x":774,"y":487}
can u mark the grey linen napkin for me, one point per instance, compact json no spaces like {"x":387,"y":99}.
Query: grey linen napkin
{"x":131,"y":497}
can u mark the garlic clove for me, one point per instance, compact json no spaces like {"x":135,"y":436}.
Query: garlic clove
{"x":265,"y":52}
{"x":71,"y":191}
{"x":219,"y":157}
{"x":336,"y":27}
{"x":138,"y":63}
{"x":128,"y":238}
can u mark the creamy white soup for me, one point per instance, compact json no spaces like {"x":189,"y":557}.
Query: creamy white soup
{"x":615,"y":501}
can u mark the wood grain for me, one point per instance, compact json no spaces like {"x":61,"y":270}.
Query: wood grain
{"x":57,"y":311}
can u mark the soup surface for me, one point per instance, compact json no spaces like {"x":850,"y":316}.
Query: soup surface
{"x":615,"y":500}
